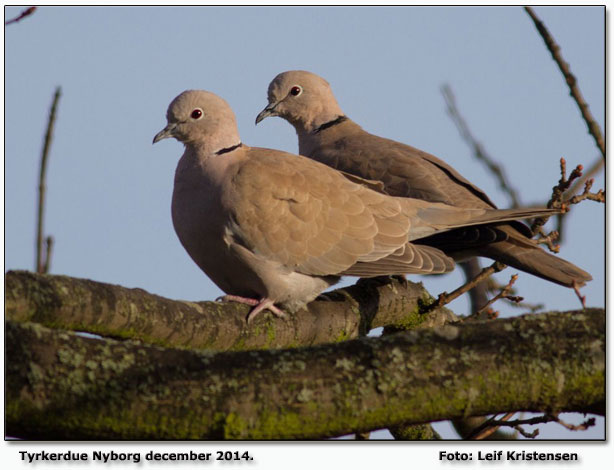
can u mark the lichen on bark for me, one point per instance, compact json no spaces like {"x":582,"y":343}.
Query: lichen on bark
{"x":61,"y":385}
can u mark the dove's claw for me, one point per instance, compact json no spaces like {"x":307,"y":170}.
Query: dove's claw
{"x":259,"y":305}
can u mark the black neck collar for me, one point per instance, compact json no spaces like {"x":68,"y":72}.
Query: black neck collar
{"x":228,"y":149}
{"x":332,"y":123}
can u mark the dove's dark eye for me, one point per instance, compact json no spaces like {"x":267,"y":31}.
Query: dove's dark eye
{"x":196,"y":114}
{"x":296,"y":90}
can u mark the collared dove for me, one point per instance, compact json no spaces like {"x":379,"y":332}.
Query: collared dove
{"x":269,"y":227}
{"x":327,"y":135}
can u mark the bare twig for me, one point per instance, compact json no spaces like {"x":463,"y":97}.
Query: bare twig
{"x":548,"y":240}
{"x":556,"y":200}
{"x":599,"y":196}
{"x":572,"y":83}
{"x":528,"y":435}
{"x":494,"y":286}
{"x":563,"y":195}
{"x":48,"y":250}
{"x":445,"y":298}
{"x":488,"y":429}
{"x":576,"y":427}
{"x":564,"y":183}
{"x":22,"y":15}
{"x":581,"y":297}
{"x":560,"y":194}
{"x":546,"y":418}
{"x":43,"y":259}
{"x":595,"y":168}
{"x":504,"y":294}
{"x":479,"y":151}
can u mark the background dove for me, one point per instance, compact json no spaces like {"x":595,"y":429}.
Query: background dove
{"x":325,"y":134}
{"x":269,"y":227}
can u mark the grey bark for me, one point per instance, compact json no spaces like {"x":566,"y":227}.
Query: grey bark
{"x":119,"y":312}
{"x":63,"y":386}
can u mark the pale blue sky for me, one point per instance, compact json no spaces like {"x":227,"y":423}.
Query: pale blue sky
{"x":109,"y":190}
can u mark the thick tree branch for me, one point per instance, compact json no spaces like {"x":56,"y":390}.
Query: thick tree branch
{"x":62,"y":386}
{"x":415,"y":432}
{"x":115,"y":311}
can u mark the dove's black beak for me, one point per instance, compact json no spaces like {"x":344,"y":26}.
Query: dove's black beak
{"x":266,"y":112}
{"x":165,"y":133}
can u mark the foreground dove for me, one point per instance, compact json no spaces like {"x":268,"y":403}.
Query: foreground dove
{"x":326,"y":135}
{"x":271,"y":228}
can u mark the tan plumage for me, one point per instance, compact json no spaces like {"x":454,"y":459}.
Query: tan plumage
{"x":280,"y":228}
{"x":326,"y":135}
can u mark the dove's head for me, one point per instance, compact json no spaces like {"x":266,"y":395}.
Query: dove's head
{"x":303,"y":99}
{"x":200,"y":118}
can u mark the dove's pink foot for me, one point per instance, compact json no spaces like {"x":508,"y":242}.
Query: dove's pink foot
{"x":259,"y":306}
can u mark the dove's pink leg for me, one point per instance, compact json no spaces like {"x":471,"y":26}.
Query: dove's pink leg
{"x":259,"y":306}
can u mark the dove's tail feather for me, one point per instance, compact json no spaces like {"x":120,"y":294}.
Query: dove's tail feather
{"x":428,"y":218}
{"x":534,"y":260}
{"x":500,"y":215}
{"x":490,"y":216}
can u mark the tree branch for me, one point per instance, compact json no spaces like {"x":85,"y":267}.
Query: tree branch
{"x":493,"y":423}
{"x":478,"y":149}
{"x":505,"y":293}
{"x":119,"y":312}
{"x":595,"y":168}
{"x":445,"y":298}
{"x":570,"y":79}
{"x":25,"y":13}
{"x":63,"y":386}
{"x":43,"y":256}
{"x":490,"y":429}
